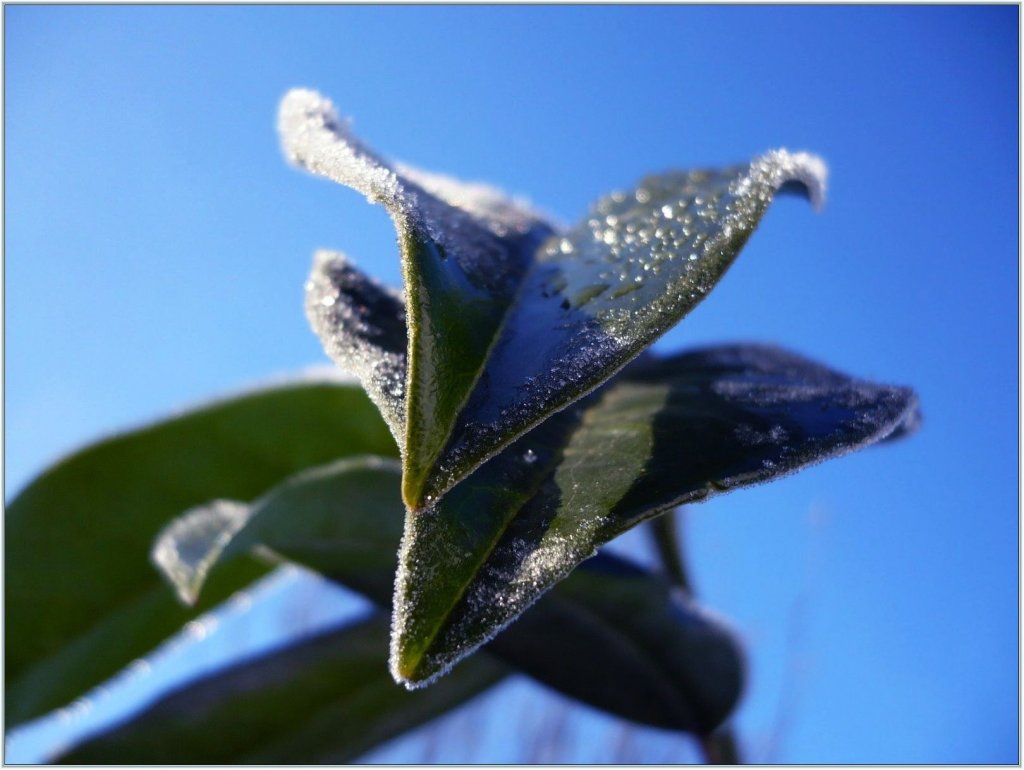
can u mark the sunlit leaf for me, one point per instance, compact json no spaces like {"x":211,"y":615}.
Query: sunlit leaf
{"x":611,"y":635}
{"x":81,"y":598}
{"x":510,"y":320}
{"x":666,"y":432}
{"x":326,"y":700}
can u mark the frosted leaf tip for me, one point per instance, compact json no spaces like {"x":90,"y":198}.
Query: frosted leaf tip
{"x":806,"y":170}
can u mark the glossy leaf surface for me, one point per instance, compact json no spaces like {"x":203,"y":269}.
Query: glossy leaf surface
{"x":509,"y":320}
{"x":326,"y":700}
{"x":610,"y":635}
{"x":74,"y":614}
{"x":665,"y":432}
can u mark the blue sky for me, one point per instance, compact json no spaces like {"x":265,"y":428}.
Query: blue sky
{"x":156,"y":245}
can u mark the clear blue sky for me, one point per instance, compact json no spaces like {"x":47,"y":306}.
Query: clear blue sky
{"x":156,"y":245}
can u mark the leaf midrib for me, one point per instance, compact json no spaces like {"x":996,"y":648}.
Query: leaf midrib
{"x":499,"y":533}
{"x":724,"y":240}
{"x":464,"y":400}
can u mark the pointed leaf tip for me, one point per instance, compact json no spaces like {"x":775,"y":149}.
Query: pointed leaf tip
{"x":666,"y":432}
{"x":801,"y":172}
{"x":594,"y":297}
{"x":316,"y":139}
{"x":510,"y":320}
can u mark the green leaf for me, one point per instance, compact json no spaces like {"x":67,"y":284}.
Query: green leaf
{"x":666,"y":432}
{"x":662,"y":433}
{"x":511,"y":321}
{"x":343,"y":520}
{"x":621,"y":639}
{"x":326,"y":700}
{"x":610,"y":635}
{"x":362,"y":325}
{"x":74,"y":614}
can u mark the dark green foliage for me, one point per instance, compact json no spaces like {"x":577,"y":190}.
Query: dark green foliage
{"x":521,"y":427}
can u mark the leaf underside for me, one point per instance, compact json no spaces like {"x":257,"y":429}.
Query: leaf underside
{"x":326,"y":700}
{"x":610,"y":635}
{"x":511,"y":320}
{"x":74,"y":615}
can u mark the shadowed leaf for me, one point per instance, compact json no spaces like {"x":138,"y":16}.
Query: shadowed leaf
{"x":362,"y":325}
{"x":621,"y":639}
{"x":509,"y":320}
{"x":326,"y":700}
{"x":75,"y":615}
{"x":610,"y":635}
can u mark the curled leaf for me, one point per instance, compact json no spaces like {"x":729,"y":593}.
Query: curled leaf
{"x":511,"y":321}
{"x":191,"y":544}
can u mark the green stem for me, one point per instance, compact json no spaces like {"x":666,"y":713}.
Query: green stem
{"x":720,"y":747}
{"x":665,"y":531}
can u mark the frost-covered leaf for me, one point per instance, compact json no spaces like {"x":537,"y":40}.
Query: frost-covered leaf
{"x":511,"y":321}
{"x":610,"y":635}
{"x":464,"y":251}
{"x":191,"y":544}
{"x":326,"y":700}
{"x":665,"y":432}
{"x":74,"y":614}
{"x":342,"y":519}
{"x":362,"y":325}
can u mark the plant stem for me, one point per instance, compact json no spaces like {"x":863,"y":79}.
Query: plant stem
{"x":665,"y":530}
{"x":720,"y":747}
